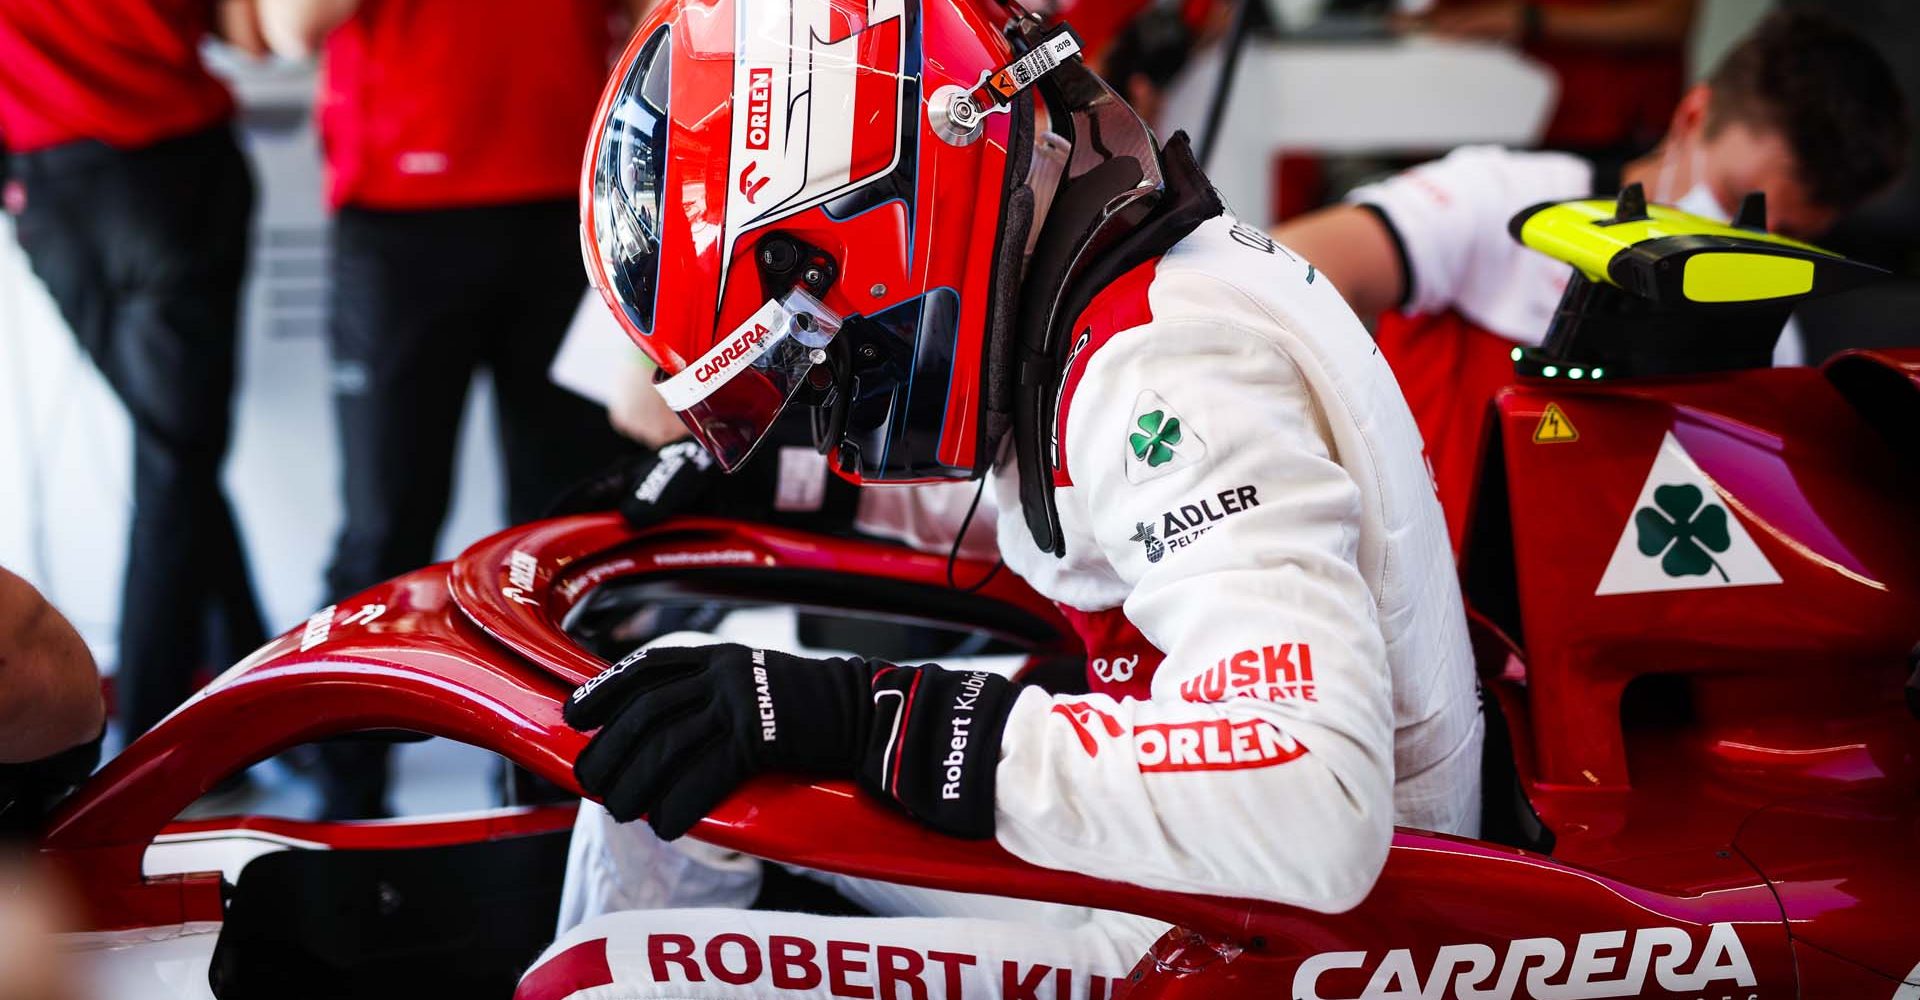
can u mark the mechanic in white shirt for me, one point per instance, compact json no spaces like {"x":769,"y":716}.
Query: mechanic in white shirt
{"x":1802,"y":109}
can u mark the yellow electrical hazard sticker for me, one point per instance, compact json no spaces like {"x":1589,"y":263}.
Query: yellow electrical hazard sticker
{"x":1554,"y":427}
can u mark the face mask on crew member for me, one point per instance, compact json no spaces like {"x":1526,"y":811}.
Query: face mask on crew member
{"x":1698,"y":199}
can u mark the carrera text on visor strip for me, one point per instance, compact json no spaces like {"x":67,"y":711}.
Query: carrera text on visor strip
{"x":750,"y":343}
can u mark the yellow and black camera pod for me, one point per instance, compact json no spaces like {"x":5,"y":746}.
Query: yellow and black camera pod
{"x":1659,"y":291}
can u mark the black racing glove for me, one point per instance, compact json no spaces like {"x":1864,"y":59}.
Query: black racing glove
{"x":646,"y":487}
{"x":681,"y":728}
{"x":672,"y":481}
{"x":782,"y":484}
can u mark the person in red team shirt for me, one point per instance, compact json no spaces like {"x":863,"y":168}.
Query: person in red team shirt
{"x":1621,"y":63}
{"x":452,"y":131}
{"x":1802,"y":110}
{"x":132,"y":201}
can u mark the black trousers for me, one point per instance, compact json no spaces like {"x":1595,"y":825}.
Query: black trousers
{"x":145,"y":250}
{"x":420,"y":301}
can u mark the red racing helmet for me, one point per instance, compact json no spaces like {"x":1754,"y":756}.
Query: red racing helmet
{"x":828,"y":203}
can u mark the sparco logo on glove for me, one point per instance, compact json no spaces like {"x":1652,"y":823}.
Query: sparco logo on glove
{"x":608,"y":674}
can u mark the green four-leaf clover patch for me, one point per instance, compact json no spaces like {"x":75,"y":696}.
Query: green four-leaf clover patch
{"x":1159,"y":434}
{"x":1160,"y":442}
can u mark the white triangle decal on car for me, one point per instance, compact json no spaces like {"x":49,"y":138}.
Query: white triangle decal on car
{"x":1681,"y":535}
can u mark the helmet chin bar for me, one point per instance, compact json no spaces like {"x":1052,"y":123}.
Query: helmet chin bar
{"x":785,"y":262}
{"x":859,"y":350}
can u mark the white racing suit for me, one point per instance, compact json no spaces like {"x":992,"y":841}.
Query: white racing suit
{"x":1258,"y":565}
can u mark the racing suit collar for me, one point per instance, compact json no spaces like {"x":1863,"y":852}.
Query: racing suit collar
{"x":1187,"y":199}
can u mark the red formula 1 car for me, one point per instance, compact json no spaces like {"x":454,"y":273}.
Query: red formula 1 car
{"x":1695,"y":584}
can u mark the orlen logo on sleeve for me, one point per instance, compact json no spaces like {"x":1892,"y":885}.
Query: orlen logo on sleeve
{"x":1199,"y":745}
{"x":759,"y":107}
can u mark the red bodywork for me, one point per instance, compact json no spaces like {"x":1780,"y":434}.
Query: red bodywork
{"x":1753,"y":845}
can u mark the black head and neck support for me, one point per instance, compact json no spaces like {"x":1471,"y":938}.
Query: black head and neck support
{"x":1120,"y":203}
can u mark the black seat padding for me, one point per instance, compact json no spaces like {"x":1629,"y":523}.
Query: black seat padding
{"x":459,"y":921}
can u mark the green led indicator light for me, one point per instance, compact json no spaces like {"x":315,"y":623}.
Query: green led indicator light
{"x":1574,"y":373}
{"x":1549,"y":371}
{"x":1514,"y":354}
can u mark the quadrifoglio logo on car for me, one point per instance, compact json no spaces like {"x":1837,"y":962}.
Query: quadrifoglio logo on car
{"x":1621,"y":963}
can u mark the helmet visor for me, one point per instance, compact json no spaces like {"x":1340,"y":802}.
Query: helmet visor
{"x":731,"y":396}
{"x":629,"y":174}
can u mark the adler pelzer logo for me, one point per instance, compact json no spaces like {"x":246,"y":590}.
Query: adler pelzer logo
{"x":1143,"y":533}
{"x":1183,"y":525}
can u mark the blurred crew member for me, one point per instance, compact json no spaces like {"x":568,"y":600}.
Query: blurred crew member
{"x":33,"y":913}
{"x":1621,"y":63}
{"x":50,"y":705}
{"x":133,"y":202}
{"x":453,"y":132}
{"x":1802,"y":110}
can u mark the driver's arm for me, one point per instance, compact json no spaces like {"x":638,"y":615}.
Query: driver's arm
{"x":1262,"y":764}
{"x":49,"y":688}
